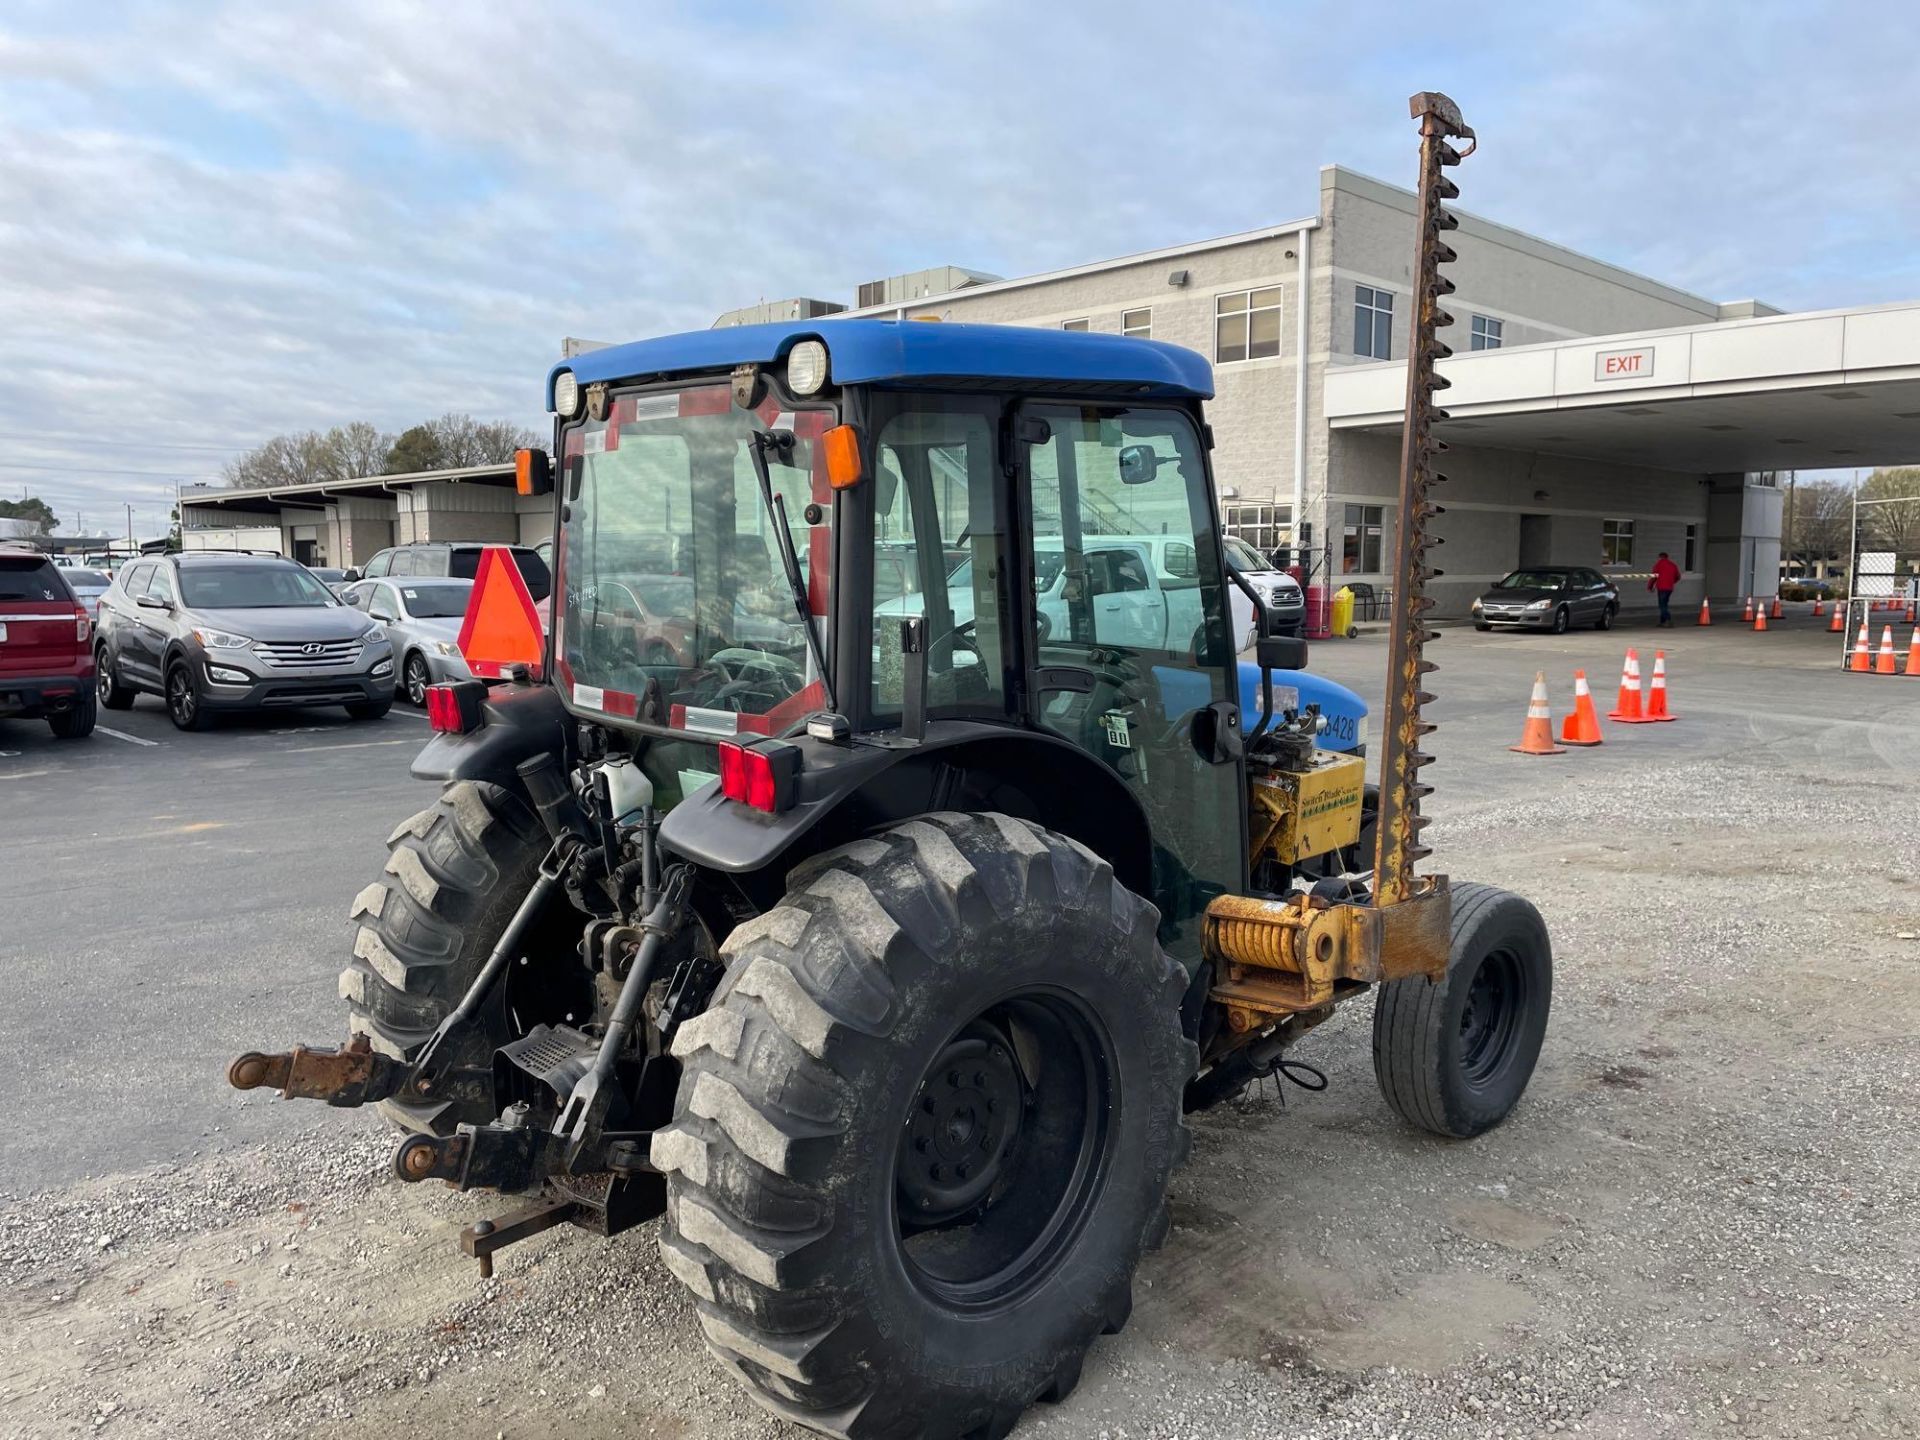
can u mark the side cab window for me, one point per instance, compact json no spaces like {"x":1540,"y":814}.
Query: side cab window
{"x":382,"y":607}
{"x":379,"y":564}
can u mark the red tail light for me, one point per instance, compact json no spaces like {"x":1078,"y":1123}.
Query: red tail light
{"x":457,"y":708}
{"x":80,"y":624}
{"x":760,"y":776}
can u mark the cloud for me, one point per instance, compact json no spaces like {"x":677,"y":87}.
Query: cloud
{"x":218,"y":223}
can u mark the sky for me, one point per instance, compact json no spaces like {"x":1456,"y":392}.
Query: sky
{"x":220,"y":222}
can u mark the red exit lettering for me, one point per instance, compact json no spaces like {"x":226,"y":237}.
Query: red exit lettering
{"x":1623,"y":364}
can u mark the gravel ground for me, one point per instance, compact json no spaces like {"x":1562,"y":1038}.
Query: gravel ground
{"x":1704,"y":1219}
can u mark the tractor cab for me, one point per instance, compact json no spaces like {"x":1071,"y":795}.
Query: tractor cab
{"x":878,"y":543}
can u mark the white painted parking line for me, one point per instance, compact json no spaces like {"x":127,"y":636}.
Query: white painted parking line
{"x":122,"y":735}
{"x":353,"y":745}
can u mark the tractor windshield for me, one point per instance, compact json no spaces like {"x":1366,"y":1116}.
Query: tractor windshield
{"x":671,"y":569}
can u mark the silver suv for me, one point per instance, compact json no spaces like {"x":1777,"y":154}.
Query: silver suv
{"x":218,"y":631}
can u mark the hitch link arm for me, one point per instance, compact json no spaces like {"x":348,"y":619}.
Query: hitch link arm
{"x":354,"y":1074}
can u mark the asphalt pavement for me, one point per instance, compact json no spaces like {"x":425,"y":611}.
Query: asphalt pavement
{"x":171,"y":899}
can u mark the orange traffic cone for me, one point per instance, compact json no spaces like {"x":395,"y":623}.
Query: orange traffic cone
{"x":1706,"y":614}
{"x":1884,"y":665}
{"x":1627,"y":707}
{"x":1760,"y":621}
{"x":1913,"y":653}
{"x":1839,"y":625}
{"x":1748,"y":617}
{"x":1774,"y":610}
{"x":1537,"y":738}
{"x":1819,"y":607}
{"x":1582,"y":725}
{"x":1657,"y":694}
{"x":1913,"y":611}
{"x":1862,"y":661}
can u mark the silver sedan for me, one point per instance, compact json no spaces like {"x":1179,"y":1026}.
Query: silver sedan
{"x":422,"y":620}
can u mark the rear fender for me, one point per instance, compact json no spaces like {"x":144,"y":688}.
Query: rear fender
{"x":522,"y":721}
{"x":846,"y":791}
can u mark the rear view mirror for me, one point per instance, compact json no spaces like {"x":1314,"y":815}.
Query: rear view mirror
{"x":151,"y":602}
{"x":1282,"y":652}
{"x":350,"y":576}
{"x":1138,"y":464}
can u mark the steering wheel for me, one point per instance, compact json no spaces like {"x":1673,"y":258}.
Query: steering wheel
{"x":748,"y":681}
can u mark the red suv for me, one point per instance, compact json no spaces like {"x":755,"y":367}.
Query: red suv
{"x":46,"y":664}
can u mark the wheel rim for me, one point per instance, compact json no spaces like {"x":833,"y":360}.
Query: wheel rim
{"x":1004,"y":1151}
{"x":416,"y":681}
{"x":103,"y":676}
{"x":180,"y":696}
{"x":1560,"y":620}
{"x":1490,"y":1024}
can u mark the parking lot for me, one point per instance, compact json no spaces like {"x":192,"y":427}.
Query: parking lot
{"x":1703,"y":1219}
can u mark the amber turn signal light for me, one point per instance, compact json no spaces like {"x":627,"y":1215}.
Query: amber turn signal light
{"x":842,"y":448}
{"x":532,"y":472}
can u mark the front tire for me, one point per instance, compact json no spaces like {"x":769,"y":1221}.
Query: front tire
{"x":1454,"y":1055}
{"x":1562,"y":620}
{"x":368,"y":709}
{"x":1605,"y":622}
{"x":924,"y":1134}
{"x":416,"y":679}
{"x":184,"y":706}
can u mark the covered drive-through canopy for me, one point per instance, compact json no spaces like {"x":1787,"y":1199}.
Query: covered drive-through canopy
{"x":1837,"y":389}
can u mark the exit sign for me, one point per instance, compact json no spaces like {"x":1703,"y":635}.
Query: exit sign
{"x":1623,"y":364}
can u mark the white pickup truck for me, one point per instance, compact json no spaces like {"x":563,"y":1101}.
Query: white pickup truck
{"x":1143,"y":592}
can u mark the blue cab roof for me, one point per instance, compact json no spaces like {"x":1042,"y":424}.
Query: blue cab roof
{"x":910,"y":353}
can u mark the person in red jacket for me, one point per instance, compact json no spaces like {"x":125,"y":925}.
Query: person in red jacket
{"x":1666,"y":575}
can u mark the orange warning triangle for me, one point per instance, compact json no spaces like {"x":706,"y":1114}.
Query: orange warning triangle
{"x":502,"y":628}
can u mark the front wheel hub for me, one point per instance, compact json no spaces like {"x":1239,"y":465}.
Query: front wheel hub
{"x":964,"y":1125}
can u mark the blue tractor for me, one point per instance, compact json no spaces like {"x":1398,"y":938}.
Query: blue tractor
{"x":806,"y":890}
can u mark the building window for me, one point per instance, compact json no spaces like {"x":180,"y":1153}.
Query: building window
{"x":1360,"y":540}
{"x":1372,"y":322}
{"x":1486,"y":333}
{"x":1616,"y":542}
{"x":1080,"y":324}
{"x":1246,"y":325}
{"x":1692,"y":533}
{"x":1265,"y":527}
{"x":1137,"y":323}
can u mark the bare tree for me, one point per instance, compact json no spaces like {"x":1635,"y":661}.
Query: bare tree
{"x":1894,"y":525}
{"x":1819,"y":525}
{"x":360,"y":448}
{"x":462,"y":440}
{"x":348,"y":451}
{"x":295,"y":459}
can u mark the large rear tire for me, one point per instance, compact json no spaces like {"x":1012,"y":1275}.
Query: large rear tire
{"x":925,"y":1131}
{"x":455,"y":875}
{"x":1454,"y":1056}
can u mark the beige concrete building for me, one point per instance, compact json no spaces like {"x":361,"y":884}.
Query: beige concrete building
{"x":1306,"y":323}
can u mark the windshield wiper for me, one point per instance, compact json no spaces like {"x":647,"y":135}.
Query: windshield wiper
{"x":776,"y":508}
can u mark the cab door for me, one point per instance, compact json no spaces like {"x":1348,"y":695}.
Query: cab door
{"x":1094,"y":481}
